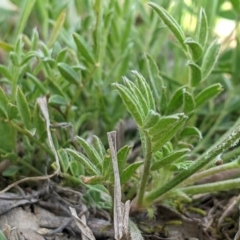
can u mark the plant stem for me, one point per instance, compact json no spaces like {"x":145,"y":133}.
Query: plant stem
{"x":231,"y":155}
{"x":213,"y":187}
{"x":146,"y":168}
{"x":29,"y":135}
{"x":207,"y":173}
{"x":29,"y":166}
{"x":203,"y":160}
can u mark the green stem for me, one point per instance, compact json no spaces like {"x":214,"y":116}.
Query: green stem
{"x":147,"y":151}
{"x":35,"y":140}
{"x":203,"y":160}
{"x":213,"y":187}
{"x":207,"y":173}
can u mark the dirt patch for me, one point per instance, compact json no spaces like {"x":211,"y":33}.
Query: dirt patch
{"x":45,"y":214}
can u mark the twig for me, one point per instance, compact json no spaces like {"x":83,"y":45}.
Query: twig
{"x":42,"y":102}
{"x":118,"y":215}
{"x":81,"y":225}
{"x":28,"y":179}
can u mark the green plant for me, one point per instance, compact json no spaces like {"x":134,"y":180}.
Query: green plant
{"x":74,"y":64}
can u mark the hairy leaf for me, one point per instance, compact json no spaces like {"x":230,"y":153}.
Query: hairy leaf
{"x":176,"y":100}
{"x":83,"y":49}
{"x":145,"y":90}
{"x":170,"y":158}
{"x":191,"y":131}
{"x":195,"y":74}
{"x":88,"y":165}
{"x":202,"y":28}
{"x":159,"y":140}
{"x":208,"y":93}
{"x":128,"y":172}
{"x":3,"y":103}
{"x":23,"y":108}
{"x":171,"y":23}
{"x":91,"y":153}
{"x":188,"y":103}
{"x":151,"y":119}
{"x":210,"y":58}
{"x":131,"y":103}
{"x":195,"y":47}
{"x":68,"y":73}
{"x":122,"y":156}
{"x":57,"y":100}
{"x":64,"y":160}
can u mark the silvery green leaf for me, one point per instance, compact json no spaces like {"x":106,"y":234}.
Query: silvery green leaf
{"x":122,"y":156}
{"x":57,"y":100}
{"x":151,"y":119}
{"x":128,"y":172}
{"x":68,"y":73}
{"x":202,"y":28}
{"x":64,"y":160}
{"x":188,"y":103}
{"x":208,"y":93}
{"x":39,"y":123}
{"x":195,"y":74}
{"x":170,"y":158}
{"x":195,"y":47}
{"x":6,"y":73}
{"x":76,"y":169}
{"x":145,"y":90}
{"x":162,"y":138}
{"x":23,"y":108}
{"x":3,"y":103}
{"x":176,"y":100}
{"x":171,"y":23}
{"x":210,"y":58}
{"x":137,"y":94}
{"x":163,"y":124}
{"x":131,"y":103}
{"x":98,"y":145}
{"x":37,"y":83}
{"x":91,"y":153}
{"x":191,"y":131}
{"x":88,"y":165}
{"x":83,"y":48}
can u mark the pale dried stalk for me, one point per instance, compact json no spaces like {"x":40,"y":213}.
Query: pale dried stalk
{"x":118,"y":215}
{"x":42,"y":102}
{"x":88,"y":235}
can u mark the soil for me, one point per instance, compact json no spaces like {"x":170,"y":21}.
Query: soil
{"x":44,"y":213}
